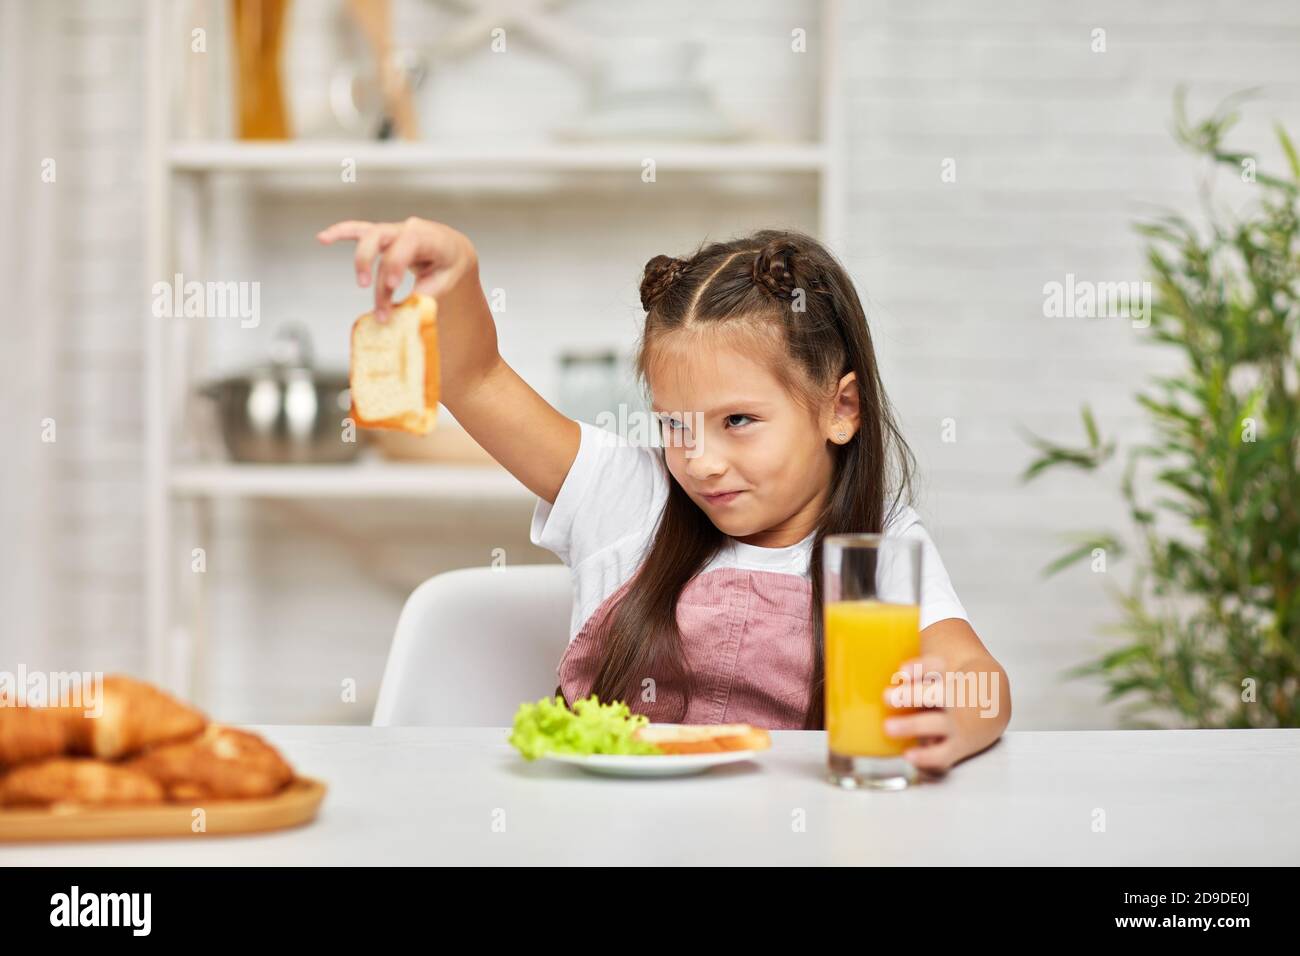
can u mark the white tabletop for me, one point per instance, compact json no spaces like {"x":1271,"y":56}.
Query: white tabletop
{"x":428,"y":795}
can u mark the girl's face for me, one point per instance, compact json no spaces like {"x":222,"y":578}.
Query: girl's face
{"x":730,"y":428}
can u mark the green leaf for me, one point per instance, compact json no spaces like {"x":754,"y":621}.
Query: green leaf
{"x":1288,"y":147}
{"x":1090,"y":426}
{"x":590,"y":728}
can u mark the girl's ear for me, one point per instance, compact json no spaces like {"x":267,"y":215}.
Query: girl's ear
{"x":844,"y":419}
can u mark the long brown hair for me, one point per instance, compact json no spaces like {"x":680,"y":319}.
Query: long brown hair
{"x":773,"y":286}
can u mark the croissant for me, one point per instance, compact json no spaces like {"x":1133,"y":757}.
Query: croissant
{"x":134,"y":716}
{"x":222,"y":763}
{"x":76,"y":780}
{"x":30,"y":733}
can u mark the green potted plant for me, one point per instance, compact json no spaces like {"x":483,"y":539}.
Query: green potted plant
{"x":1211,"y":620}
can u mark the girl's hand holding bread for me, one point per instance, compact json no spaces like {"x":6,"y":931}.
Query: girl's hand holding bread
{"x":514,"y":424}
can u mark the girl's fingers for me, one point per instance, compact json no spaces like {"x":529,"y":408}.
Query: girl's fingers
{"x":936,"y":757}
{"x":917,"y":683}
{"x":438,"y":255}
{"x":371,"y":243}
{"x":932,"y":723}
{"x":908,"y":694}
{"x":400,"y":256}
{"x":348,"y":229}
{"x":917,"y":668}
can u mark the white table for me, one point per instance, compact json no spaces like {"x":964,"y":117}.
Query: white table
{"x":425,"y":795}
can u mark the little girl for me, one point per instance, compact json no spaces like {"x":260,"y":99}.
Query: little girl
{"x":697,"y":565}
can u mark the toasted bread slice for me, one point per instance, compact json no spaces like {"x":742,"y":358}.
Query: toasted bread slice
{"x":394,"y":374}
{"x":705,"y":738}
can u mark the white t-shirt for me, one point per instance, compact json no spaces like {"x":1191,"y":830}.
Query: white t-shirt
{"x":604,"y":517}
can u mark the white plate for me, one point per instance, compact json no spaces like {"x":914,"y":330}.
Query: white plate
{"x":651,"y":765}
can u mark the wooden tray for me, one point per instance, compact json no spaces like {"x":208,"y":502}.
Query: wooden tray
{"x":295,"y":805}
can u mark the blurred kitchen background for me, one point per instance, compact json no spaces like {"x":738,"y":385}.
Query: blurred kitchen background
{"x":135,"y":539}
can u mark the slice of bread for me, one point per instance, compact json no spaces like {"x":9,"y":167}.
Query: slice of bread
{"x":394,"y":368}
{"x":705,"y":738}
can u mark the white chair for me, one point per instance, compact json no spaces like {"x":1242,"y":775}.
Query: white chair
{"x":472,"y":644}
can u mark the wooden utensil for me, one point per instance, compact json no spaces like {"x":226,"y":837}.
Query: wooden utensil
{"x":374,"y":17}
{"x":259,"y":28}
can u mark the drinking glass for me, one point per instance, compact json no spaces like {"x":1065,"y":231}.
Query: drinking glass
{"x":872,"y":600}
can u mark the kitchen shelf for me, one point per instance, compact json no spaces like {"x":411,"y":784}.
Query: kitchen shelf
{"x":365,"y":479}
{"x":222,"y":157}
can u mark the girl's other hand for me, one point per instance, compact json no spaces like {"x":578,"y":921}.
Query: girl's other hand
{"x":436,"y":254}
{"x":919,"y":683}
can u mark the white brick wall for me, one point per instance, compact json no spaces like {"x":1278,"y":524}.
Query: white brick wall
{"x":1058,"y":149}
{"x":75,"y":342}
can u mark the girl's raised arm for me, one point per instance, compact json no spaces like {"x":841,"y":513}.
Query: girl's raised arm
{"x":516,"y":426}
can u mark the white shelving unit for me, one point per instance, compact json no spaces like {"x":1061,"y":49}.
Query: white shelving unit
{"x":177,"y":233}
{"x":421,"y":157}
{"x":368,"y":479}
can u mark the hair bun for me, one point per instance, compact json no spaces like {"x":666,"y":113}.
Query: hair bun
{"x":660,"y":273}
{"x":775,"y":267}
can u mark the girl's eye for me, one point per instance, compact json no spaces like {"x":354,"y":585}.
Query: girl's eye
{"x":746,"y":417}
{"x":670,"y":423}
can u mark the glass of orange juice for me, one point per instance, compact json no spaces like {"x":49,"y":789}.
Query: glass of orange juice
{"x":872,"y":601}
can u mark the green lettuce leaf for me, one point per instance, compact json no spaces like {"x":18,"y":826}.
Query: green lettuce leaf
{"x":590,"y":728}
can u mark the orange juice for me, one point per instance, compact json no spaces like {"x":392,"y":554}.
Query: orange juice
{"x":866,"y":643}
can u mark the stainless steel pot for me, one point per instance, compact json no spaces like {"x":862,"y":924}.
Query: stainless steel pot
{"x":286,"y":412}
